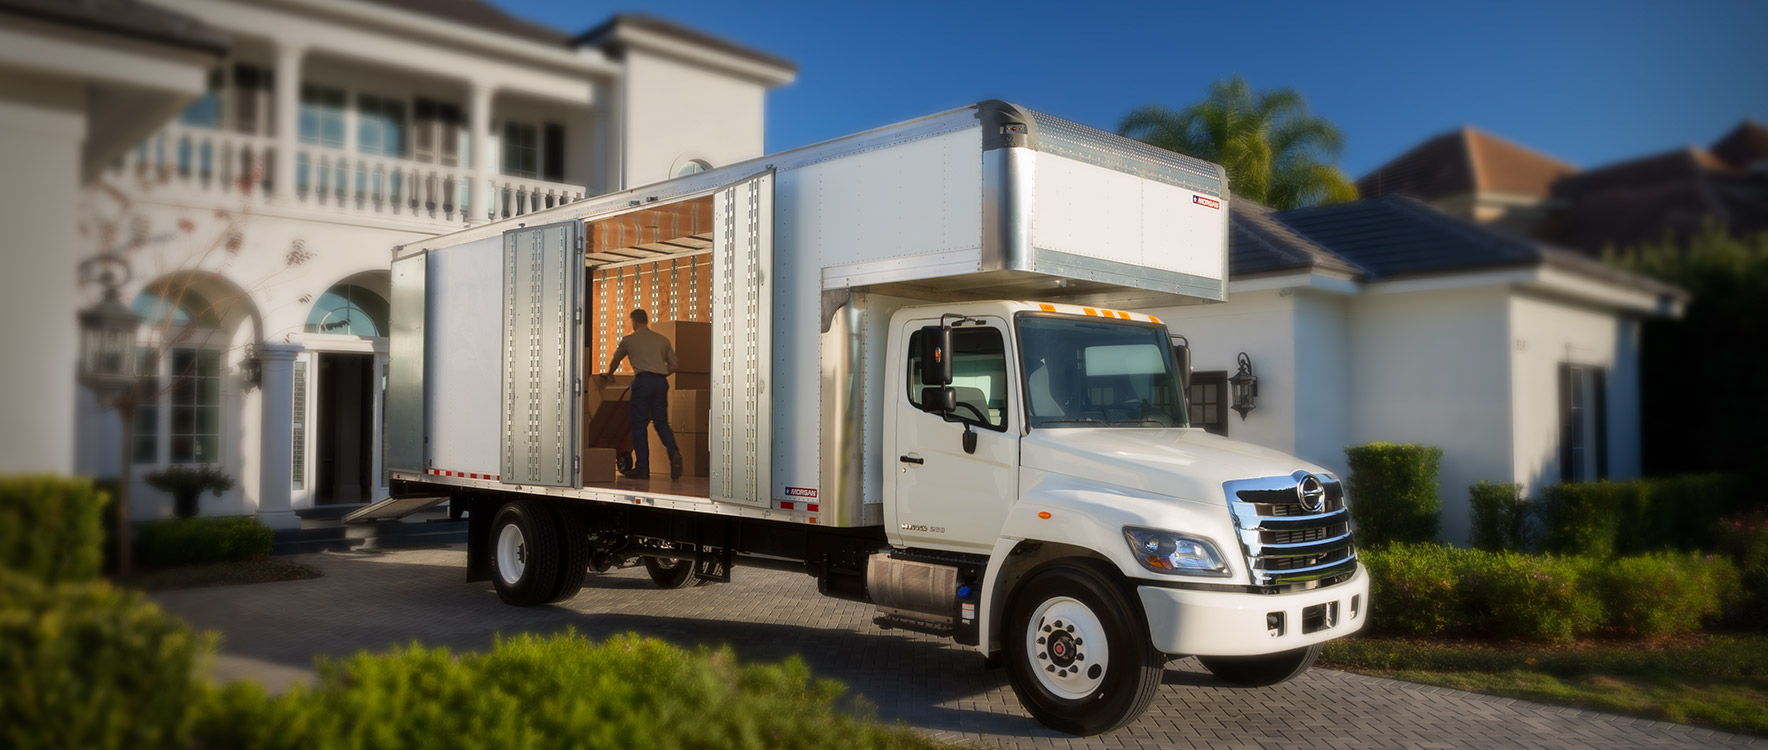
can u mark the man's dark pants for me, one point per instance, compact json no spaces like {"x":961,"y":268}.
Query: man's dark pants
{"x":650,"y":401}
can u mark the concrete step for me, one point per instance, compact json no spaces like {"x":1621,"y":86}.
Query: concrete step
{"x":321,"y":535}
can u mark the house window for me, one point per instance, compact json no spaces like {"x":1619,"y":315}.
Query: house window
{"x":521,"y":150}
{"x":178,"y":415}
{"x":1206,"y":400}
{"x":194,"y":402}
{"x":322,"y":116}
{"x":1583,"y":423}
{"x":380,"y":126}
{"x":694,"y":166}
{"x":349,"y":310}
{"x":205,"y":112}
{"x":254,"y":96}
{"x":436,"y":132}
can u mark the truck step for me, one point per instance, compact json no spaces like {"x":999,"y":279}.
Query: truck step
{"x":898,"y":622}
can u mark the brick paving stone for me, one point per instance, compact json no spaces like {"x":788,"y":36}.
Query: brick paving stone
{"x":372,"y":601}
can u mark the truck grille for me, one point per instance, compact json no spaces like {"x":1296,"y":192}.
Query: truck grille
{"x":1286,"y":542}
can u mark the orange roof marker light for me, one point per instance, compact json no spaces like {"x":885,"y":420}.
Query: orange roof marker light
{"x":1044,"y":514}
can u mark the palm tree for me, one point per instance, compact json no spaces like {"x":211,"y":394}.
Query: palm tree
{"x":1275,"y":152}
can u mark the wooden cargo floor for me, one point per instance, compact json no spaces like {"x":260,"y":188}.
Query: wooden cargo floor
{"x":660,"y":483}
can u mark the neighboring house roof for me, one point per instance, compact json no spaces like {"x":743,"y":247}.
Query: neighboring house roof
{"x":481,"y":15}
{"x":1745,"y":146}
{"x":126,"y":18}
{"x":1464,"y":162}
{"x":604,"y":33}
{"x":1259,"y":244}
{"x":1397,"y":237}
{"x":1665,"y":196}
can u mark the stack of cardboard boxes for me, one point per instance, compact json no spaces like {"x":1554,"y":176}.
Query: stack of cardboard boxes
{"x":606,"y":425}
{"x":690,"y":399}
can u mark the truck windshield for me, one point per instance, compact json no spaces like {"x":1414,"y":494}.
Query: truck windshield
{"x":1093,"y":373}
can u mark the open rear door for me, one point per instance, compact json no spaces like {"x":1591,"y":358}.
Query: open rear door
{"x":742,"y":342}
{"x":542,"y":314}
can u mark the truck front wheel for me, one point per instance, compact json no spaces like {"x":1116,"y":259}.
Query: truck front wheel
{"x":524,"y":553}
{"x":671,"y":573}
{"x":1266,"y":669}
{"x":1077,"y":655}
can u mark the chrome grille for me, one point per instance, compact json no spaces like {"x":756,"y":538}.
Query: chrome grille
{"x":1285,"y":543}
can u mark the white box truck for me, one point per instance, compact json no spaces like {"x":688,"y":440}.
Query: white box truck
{"x":919,"y":382}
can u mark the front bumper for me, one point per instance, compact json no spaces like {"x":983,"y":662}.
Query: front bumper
{"x":1223,"y":623}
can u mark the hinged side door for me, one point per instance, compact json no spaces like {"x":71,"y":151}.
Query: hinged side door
{"x":542,"y":314}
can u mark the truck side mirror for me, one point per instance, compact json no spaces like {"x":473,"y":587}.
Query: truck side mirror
{"x":939,"y":399}
{"x":1182,"y":361}
{"x":936,"y":356}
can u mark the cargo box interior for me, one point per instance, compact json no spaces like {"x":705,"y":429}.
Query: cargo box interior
{"x":658,"y":259}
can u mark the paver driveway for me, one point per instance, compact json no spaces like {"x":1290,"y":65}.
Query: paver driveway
{"x":372,"y":601}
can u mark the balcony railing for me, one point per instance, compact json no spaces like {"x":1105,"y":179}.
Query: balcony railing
{"x":220,"y":163}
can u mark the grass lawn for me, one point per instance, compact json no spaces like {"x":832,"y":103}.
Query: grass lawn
{"x":222,"y":574}
{"x":1719,"y":681}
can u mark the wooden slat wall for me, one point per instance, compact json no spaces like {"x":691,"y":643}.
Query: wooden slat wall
{"x":668,"y":289}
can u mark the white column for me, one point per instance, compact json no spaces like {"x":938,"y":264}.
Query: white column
{"x":288,"y":110}
{"x":484,"y":156}
{"x":276,"y":392}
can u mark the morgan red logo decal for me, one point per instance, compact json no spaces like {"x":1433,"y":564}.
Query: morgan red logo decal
{"x":801,"y":492}
{"x":1206,"y":202}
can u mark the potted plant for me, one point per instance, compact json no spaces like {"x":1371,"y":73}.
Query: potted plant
{"x":186,"y":483}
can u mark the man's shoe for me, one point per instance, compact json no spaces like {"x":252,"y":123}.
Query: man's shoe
{"x":635,"y":474}
{"x":674,"y":463}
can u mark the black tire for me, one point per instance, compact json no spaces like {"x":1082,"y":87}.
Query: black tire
{"x":1101,"y":697}
{"x":1263,"y":670}
{"x":672,"y":574}
{"x":622,"y":461}
{"x":533,"y":553}
{"x":573,"y":553}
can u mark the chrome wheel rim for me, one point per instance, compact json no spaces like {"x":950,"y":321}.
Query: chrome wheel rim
{"x":512,"y":554}
{"x":1067,"y":648}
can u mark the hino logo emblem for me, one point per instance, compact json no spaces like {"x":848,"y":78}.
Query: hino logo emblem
{"x":1311,"y":494}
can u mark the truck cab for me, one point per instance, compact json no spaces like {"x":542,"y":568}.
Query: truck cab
{"x":1054,"y":439}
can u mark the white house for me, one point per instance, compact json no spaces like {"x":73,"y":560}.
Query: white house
{"x":1388,"y":320}
{"x":265,"y":215}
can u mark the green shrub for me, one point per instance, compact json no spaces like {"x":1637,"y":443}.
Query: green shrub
{"x":1393,"y":492}
{"x":1664,"y":594}
{"x":88,"y":665}
{"x":195,"y":541}
{"x":1414,"y":589}
{"x":1500,"y":515}
{"x":51,"y":527}
{"x":1744,"y":537}
{"x":541,"y":692}
{"x":1528,"y":597}
{"x":1677,"y":513}
{"x":1585,"y":518}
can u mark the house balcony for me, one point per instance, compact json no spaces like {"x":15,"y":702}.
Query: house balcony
{"x":190,"y":164}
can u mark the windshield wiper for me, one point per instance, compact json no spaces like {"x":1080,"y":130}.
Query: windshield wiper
{"x":1075,"y":420}
{"x":1144,"y":420}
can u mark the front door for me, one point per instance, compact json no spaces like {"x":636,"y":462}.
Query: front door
{"x":947,"y":498}
{"x":345,"y":445}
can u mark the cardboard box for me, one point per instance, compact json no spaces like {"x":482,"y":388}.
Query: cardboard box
{"x":690,"y":381}
{"x":598,"y":465}
{"x":693,"y":343}
{"x":606,"y":420}
{"x":696,"y":454}
{"x":690,"y":411}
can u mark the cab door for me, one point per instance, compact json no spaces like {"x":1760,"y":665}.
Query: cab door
{"x":947,"y":497}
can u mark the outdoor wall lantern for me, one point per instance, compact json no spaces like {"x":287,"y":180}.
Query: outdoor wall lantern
{"x":1244,"y":386}
{"x":251,"y":368}
{"x":107,"y":333}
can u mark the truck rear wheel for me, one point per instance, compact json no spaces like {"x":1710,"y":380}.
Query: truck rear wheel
{"x":524,"y":553}
{"x":1262,"y":670}
{"x":573,"y":554}
{"x":1077,"y":655}
{"x":670,"y":573}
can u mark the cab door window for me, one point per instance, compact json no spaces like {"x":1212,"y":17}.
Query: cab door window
{"x":979,"y":375}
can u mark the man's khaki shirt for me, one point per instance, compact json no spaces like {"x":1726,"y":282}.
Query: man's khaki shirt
{"x":649,"y":351}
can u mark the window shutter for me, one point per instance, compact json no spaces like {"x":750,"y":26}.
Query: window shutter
{"x":1566,"y":429}
{"x":553,"y":150}
{"x":1599,"y":405}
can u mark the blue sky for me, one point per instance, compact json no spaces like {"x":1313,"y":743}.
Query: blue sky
{"x":1588,"y":82}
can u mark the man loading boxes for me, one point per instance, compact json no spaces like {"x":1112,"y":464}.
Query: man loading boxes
{"x":653,"y":359}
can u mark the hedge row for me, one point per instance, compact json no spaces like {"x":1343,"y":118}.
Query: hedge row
{"x":1640,"y":515}
{"x":1393,"y":492}
{"x":51,"y":528}
{"x":1431,"y":589}
{"x":86,"y":665}
{"x":196,"y":541}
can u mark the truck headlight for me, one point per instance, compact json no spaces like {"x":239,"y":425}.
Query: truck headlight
{"x":1173,"y":553}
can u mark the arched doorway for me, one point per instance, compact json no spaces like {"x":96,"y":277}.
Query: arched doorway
{"x":339,"y":387}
